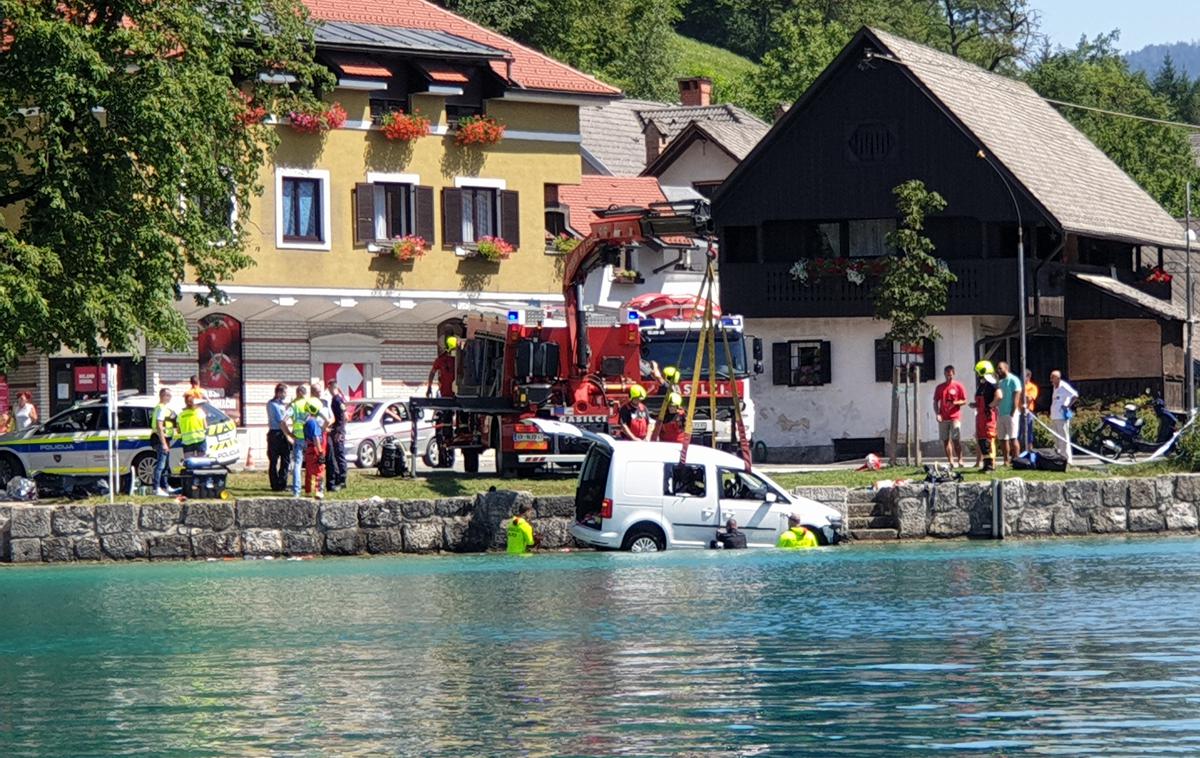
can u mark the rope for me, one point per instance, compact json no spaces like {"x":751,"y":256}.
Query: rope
{"x":1159,"y":453}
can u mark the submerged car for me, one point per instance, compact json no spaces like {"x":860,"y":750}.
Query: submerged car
{"x":368,"y":422}
{"x":76,"y":441}
{"x":636,"y":496}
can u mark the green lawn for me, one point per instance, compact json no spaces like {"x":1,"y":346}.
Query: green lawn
{"x":843,"y":478}
{"x":730,"y":72}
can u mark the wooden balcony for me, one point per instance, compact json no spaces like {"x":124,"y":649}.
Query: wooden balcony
{"x":767,"y":290}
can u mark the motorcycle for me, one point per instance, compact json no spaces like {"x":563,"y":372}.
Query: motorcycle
{"x":1122,"y":435}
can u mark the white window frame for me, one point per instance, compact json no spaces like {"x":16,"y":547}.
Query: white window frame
{"x":322,"y":176}
{"x":379,"y":178}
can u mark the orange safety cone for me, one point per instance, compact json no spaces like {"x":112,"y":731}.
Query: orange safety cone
{"x":249,"y":458}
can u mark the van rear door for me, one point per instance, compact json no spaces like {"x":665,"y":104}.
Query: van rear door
{"x":593,"y":483}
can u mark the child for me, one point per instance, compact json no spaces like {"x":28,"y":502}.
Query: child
{"x":314,"y":457}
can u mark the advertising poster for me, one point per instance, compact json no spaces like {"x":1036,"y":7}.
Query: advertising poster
{"x":220,"y":347}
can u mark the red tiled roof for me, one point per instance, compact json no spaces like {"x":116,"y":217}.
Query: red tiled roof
{"x":603,"y":191}
{"x":443,"y":73}
{"x":530,"y":69}
{"x":361,"y":67}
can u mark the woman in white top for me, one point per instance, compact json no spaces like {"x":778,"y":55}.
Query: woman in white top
{"x":25,"y":414}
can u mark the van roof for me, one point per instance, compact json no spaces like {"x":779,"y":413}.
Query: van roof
{"x":668,"y":452}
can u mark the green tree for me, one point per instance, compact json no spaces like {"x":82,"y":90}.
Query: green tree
{"x":1157,"y":157}
{"x":1181,"y":93}
{"x":512,"y":17}
{"x":806,"y":45}
{"x":915,"y":284}
{"x":123,"y":139}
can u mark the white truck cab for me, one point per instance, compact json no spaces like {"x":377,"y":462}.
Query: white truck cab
{"x":635,"y":496}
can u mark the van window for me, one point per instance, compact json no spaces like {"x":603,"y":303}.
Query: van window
{"x":742,"y":485}
{"x":593,"y":479}
{"x":641,"y":479}
{"x":687,"y":480}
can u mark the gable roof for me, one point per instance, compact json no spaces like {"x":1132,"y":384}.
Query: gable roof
{"x":1058,"y":168}
{"x":530,"y":69}
{"x":737,"y":141}
{"x":671,"y":121}
{"x":1168,"y":309}
{"x":604,"y":191}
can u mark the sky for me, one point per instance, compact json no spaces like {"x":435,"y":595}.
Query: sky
{"x":1142,"y":22}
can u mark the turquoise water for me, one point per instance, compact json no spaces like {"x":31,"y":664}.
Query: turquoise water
{"x":1048,"y":647}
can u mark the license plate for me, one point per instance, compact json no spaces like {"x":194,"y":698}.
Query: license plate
{"x":527,"y":437}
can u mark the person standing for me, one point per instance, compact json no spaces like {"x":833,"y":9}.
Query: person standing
{"x":26,"y":413}
{"x":443,"y":370}
{"x":6,"y":422}
{"x":674,"y":425}
{"x":948,"y":400}
{"x":796,"y":536}
{"x":193,"y":427}
{"x":314,"y":456}
{"x":278,"y":448}
{"x":1062,"y":404}
{"x":335,"y":455}
{"x":987,"y":399}
{"x":162,"y":422}
{"x":1029,"y":401}
{"x":1009,"y":412}
{"x":194,"y":390}
{"x":298,"y":413}
{"x":519,"y":532}
{"x":635,"y":419}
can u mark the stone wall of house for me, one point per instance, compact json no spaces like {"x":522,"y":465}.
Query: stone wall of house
{"x":272,"y":527}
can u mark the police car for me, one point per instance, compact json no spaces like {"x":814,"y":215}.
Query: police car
{"x":76,"y":440}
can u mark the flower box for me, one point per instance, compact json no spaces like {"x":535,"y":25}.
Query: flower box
{"x":399,"y":126}
{"x":478,"y":130}
{"x":408,"y":248}
{"x":493,"y":249}
{"x":314,"y":121}
{"x":563,"y":243}
{"x":627,"y":276}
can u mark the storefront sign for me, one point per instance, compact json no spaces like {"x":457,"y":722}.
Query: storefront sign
{"x":220,"y":347}
{"x":90,"y":379}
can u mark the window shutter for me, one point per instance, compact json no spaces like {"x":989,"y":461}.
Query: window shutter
{"x":423,"y":213}
{"x":929,"y":370}
{"x":451,"y":218}
{"x":364,"y":214}
{"x":826,"y":362}
{"x":781,"y":363}
{"x":510,"y":217}
{"x":883,"y":361}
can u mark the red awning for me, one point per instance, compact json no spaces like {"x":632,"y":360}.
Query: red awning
{"x":442,"y":73}
{"x":361,"y":67}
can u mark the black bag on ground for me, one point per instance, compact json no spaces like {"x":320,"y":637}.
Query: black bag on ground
{"x":1040,"y":460}
{"x":391,"y":458}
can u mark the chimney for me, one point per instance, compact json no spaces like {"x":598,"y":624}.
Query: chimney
{"x":655,"y":142}
{"x":695,"y":91}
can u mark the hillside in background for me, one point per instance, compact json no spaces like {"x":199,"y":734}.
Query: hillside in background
{"x":730,"y":72}
{"x":1149,"y":59}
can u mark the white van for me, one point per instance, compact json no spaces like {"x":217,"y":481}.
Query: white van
{"x":635,"y":496}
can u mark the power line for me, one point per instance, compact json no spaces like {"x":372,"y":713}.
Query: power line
{"x":1164,"y":122}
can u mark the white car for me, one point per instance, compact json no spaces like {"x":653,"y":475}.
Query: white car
{"x":76,"y":441}
{"x":635,"y":496}
{"x":369,"y":421}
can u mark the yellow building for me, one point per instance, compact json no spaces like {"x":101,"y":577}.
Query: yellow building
{"x":327,"y":296}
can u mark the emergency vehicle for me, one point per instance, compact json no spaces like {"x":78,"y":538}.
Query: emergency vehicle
{"x":76,"y":441}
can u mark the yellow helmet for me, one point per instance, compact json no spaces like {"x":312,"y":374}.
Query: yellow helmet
{"x":985,"y":367}
{"x":637,"y":392}
{"x":671,"y":374}
{"x":675,"y":399}
{"x":452,"y":343}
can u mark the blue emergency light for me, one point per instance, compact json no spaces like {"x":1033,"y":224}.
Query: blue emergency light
{"x":633,"y":316}
{"x":514,"y":317}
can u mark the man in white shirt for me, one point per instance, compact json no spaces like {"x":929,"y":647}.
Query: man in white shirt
{"x":1061,"y":409}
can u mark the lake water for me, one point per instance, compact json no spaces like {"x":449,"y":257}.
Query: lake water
{"x":991,"y":648}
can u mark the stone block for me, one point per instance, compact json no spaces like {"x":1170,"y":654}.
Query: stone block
{"x":856,"y":495}
{"x":943,"y":497}
{"x":1012,"y":494}
{"x":159,"y":517}
{"x":1187,"y":488}
{"x":1043,"y":494}
{"x":1082,"y":493}
{"x":555,"y":533}
{"x":1164,"y":487}
{"x":975,"y":499}
{"x":911,"y":518}
{"x":88,"y":549}
{"x":414,"y":510}
{"x":910,"y":490}
{"x":423,"y":537}
{"x":1145,"y":519}
{"x":1069,"y":520}
{"x":454,"y":533}
{"x":1108,"y":520}
{"x":949,"y":523}
{"x":491,"y":509}
{"x":1181,"y":517}
{"x":116,"y":517}
{"x":277,"y":513}
{"x":1143,"y":493}
{"x":73,"y":519}
{"x":1035,"y":521}
{"x":555,"y":506}
{"x":834,"y":497}
{"x":457,"y":506}
{"x":262,"y":541}
{"x":388,"y":539}
{"x":29,"y":521}
{"x":341,"y":515}
{"x":26,"y":550}
{"x":381,"y":513}
{"x":216,"y":545}
{"x":169,"y":546}
{"x":303,"y":542}
{"x":344,"y":542}
{"x":1114,"y":493}
{"x":57,"y":549}
{"x":214,"y":516}
{"x":123,"y":546}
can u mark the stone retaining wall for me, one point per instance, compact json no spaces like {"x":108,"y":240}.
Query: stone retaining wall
{"x":272,"y":527}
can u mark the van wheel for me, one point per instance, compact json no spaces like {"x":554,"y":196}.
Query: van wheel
{"x":143,"y":467}
{"x":10,"y":467}
{"x":644,"y":539}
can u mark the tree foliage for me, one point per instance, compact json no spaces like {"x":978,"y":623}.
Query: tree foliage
{"x":1157,"y":157}
{"x":916,"y":284}
{"x":122,"y":140}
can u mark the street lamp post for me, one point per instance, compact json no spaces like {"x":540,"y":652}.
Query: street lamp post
{"x":1189,"y":371}
{"x":1020,"y":291}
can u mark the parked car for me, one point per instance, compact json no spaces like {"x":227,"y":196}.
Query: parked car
{"x":368,"y":421}
{"x":76,"y":441}
{"x":635,"y":496}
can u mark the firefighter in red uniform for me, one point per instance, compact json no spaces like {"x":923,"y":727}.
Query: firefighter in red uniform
{"x":443,"y":369}
{"x":635,"y":419}
{"x":672,"y":429}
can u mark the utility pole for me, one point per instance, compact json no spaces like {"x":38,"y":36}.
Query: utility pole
{"x":1189,"y":373}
